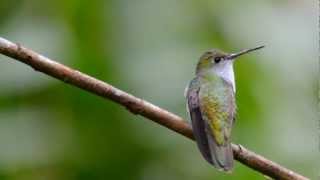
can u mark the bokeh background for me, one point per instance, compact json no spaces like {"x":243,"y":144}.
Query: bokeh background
{"x":50,"y":130}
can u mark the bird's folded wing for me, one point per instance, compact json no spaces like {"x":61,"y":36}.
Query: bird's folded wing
{"x":198,"y":125}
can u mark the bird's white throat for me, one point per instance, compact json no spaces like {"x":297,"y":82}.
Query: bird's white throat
{"x":225,"y":70}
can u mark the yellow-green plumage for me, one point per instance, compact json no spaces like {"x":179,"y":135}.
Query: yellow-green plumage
{"x":211,"y":105}
{"x":217,"y":105}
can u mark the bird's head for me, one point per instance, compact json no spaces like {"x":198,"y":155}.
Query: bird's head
{"x":218,"y":61}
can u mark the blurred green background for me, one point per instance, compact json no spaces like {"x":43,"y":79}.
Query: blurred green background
{"x":50,"y":130}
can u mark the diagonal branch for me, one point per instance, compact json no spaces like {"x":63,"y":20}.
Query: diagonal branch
{"x":136,"y":106}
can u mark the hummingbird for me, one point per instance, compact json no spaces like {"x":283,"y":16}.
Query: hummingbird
{"x":212,"y":107}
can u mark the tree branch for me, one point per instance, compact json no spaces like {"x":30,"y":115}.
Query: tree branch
{"x":136,"y":106}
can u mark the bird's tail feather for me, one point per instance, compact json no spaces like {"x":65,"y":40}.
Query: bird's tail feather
{"x":222,"y":155}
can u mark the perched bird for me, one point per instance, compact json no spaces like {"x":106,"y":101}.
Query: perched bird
{"x":211,"y":105}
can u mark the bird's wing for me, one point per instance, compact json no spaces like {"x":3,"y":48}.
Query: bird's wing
{"x":216,"y":101}
{"x":198,"y":124}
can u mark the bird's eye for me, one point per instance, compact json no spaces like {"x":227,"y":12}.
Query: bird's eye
{"x":217,"y":59}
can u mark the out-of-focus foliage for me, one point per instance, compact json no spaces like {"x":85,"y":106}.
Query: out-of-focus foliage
{"x":50,"y":130}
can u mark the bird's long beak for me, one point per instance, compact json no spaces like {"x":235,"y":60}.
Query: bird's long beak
{"x":235,"y":55}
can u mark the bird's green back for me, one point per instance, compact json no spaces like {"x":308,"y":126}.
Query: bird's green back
{"x":217,"y":104}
